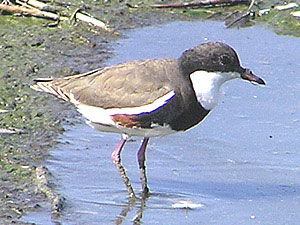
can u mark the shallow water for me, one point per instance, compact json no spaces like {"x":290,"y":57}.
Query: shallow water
{"x":240,"y":166}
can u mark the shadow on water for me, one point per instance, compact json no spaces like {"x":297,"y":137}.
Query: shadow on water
{"x":134,"y":208}
{"x":240,"y":166}
{"x":139,"y":214}
{"x":228,"y":191}
{"x":136,"y":204}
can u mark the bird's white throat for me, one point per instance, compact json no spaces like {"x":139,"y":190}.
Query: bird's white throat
{"x":207,"y":86}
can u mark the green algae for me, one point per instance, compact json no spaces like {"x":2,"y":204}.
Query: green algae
{"x":282,"y":22}
{"x":25,"y":47}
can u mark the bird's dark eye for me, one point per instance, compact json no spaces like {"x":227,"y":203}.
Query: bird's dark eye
{"x":224,"y":59}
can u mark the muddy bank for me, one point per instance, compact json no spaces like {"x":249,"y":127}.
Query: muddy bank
{"x":28,"y":50}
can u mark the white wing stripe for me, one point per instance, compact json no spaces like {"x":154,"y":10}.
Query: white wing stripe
{"x":100,"y":115}
{"x":145,"y":108}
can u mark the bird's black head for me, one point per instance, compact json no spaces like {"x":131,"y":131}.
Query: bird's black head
{"x":215,"y":57}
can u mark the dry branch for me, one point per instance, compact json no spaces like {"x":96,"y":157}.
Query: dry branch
{"x":6,"y":131}
{"x":39,"y":5}
{"x":243,"y":16}
{"x":204,"y":3}
{"x":29,"y":11}
{"x":88,"y":19}
{"x":296,"y":14}
{"x":28,"y":7}
{"x":91,"y":20}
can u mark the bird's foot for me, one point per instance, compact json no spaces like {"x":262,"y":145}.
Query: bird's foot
{"x":145,"y":189}
{"x":145,"y":193}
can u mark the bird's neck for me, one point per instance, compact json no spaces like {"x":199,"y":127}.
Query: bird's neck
{"x":207,"y":86}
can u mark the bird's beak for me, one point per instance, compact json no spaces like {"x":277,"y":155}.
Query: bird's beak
{"x":247,"y":74}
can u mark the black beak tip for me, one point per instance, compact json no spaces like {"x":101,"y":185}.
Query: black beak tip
{"x":248,"y":75}
{"x":261,"y":81}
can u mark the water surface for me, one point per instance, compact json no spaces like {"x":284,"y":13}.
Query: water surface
{"x":240,"y":166}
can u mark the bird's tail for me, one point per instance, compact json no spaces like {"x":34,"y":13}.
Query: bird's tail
{"x":49,"y":85}
{"x":57,"y":86}
{"x":42,"y":84}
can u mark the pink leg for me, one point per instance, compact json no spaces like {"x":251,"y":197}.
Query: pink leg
{"x":116,"y":157}
{"x":116,"y":154}
{"x":141,"y":160}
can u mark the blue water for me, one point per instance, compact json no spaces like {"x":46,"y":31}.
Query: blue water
{"x":240,"y":166}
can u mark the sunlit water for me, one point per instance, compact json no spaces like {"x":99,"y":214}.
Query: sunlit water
{"x":240,"y":166}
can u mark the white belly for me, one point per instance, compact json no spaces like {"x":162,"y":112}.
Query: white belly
{"x":154,"y":131}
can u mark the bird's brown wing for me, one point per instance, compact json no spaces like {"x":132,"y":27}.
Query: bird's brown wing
{"x":129,"y":84}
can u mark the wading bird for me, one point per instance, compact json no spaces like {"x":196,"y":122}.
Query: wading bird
{"x":150,"y":98}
